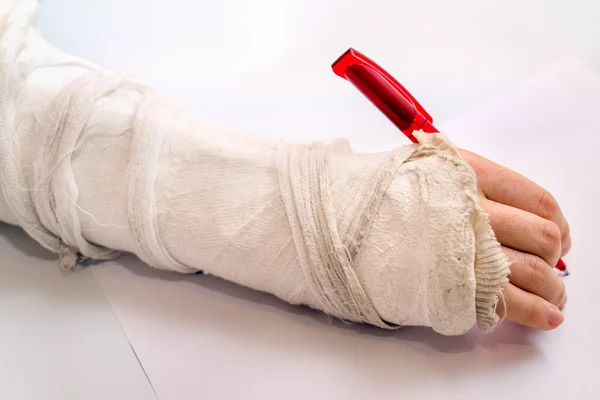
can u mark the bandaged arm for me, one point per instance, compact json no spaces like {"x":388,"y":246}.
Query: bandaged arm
{"x":94,"y":164}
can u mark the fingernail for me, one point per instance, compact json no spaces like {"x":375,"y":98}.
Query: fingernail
{"x":555,"y":318}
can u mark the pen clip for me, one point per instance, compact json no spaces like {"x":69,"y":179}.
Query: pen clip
{"x":353,"y":57}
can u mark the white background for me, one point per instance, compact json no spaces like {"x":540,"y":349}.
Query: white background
{"x":452,"y":54}
{"x":264,"y":67}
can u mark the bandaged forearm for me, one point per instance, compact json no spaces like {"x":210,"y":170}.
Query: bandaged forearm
{"x":95,"y":164}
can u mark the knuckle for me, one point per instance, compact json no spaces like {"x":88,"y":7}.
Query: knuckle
{"x":547,"y":205}
{"x":560,"y":294}
{"x":551,"y":238}
{"x":532,"y":312}
{"x":536,"y":272}
{"x":566,"y":232}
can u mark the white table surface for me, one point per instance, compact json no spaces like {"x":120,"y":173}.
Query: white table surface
{"x":265,"y":66}
{"x":59,"y":338}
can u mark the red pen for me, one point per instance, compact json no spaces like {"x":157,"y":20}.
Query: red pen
{"x":390,"y":97}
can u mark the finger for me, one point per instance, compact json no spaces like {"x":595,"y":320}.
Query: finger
{"x":566,"y":244}
{"x":534,"y":275}
{"x":524,"y":231}
{"x":505,"y":186}
{"x":528,"y":309}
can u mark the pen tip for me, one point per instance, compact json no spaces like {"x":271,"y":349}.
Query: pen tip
{"x":566,"y":272}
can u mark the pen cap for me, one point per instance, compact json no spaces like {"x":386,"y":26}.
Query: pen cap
{"x":384,"y":96}
{"x":387,"y":94}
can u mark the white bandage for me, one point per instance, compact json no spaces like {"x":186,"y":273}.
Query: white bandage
{"x":94,"y":164}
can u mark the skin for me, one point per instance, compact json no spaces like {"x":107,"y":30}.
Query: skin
{"x":534,"y":233}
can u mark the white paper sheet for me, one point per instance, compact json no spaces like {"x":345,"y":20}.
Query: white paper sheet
{"x":58,"y":336}
{"x":202,"y":338}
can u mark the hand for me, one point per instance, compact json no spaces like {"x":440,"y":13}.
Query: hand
{"x":534,"y":233}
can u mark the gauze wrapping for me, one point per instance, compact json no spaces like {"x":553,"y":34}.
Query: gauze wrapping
{"x":94,"y":164}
